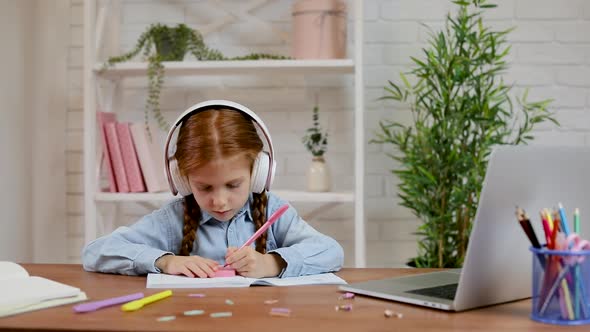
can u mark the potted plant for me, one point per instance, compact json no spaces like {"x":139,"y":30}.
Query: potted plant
{"x":315,"y":141}
{"x":163,"y":43}
{"x":461,"y":109}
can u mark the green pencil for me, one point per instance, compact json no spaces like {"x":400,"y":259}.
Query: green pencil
{"x":577,"y":221}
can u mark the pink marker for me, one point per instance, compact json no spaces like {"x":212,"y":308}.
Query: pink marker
{"x":273,"y":218}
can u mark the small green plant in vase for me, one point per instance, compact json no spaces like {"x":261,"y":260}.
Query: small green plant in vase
{"x":161,"y":43}
{"x":315,"y":141}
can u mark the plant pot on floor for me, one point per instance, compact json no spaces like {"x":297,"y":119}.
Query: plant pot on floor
{"x":318,"y":176}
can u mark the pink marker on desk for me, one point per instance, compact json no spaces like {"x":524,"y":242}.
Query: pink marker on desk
{"x":273,"y":218}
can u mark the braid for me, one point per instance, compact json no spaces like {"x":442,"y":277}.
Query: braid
{"x":192,"y":216}
{"x":259,"y":215}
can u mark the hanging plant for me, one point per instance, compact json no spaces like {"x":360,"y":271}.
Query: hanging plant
{"x":163,"y":43}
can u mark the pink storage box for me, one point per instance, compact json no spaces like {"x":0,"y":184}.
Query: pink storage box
{"x":319,"y":29}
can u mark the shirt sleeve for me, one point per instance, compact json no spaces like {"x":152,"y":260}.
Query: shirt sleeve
{"x":132,"y":250}
{"x":304,"y":249}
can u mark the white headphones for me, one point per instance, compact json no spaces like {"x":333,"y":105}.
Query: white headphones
{"x":264,"y":166}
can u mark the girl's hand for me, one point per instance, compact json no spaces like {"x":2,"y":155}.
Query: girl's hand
{"x":190,"y":266}
{"x":250,"y":263}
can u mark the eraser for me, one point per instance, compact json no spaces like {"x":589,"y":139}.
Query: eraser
{"x":225,"y":273}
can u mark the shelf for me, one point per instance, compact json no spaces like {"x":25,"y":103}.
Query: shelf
{"x":173,"y":68}
{"x":102,"y":32}
{"x":288,"y":195}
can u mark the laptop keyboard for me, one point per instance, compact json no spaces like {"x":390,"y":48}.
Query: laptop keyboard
{"x":442,"y":292}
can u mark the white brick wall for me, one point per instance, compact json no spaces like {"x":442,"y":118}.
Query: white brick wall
{"x":550,"y":55}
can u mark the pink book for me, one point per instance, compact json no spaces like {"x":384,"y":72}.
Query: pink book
{"x":106,"y":162}
{"x":116,"y":157}
{"x":130,"y":161}
{"x":151,"y":158}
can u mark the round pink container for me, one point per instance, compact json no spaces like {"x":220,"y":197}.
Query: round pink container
{"x":319,"y":29}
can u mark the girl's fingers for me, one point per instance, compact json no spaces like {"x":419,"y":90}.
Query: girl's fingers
{"x":197,"y":270}
{"x":237,"y":256}
{"x":212,"y":264}
{"x":246,"y":262}
{"x":229,"y":252}
{"x":208,"y":270}
{"x":200,"y":273}
{"x":186,"y":272}
{"x":239,"y":265}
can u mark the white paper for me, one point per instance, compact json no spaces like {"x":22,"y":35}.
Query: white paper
{"x":19,"y":309}
{"x":11,"y":270}
{"x":314,"y":279}
{"x":160,"y":280}
{"x":22,"y":289}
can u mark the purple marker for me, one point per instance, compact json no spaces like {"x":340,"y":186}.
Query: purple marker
{"x":92,"y":306}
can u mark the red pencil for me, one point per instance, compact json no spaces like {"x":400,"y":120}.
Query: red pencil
{"x":547,"y":230}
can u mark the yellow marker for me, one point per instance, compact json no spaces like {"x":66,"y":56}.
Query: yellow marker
{"x":138,"y":304}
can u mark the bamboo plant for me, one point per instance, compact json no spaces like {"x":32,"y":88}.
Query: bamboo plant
{"x":461,"y":108}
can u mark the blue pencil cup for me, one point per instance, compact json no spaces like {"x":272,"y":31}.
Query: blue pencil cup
{"x":561,"y":286}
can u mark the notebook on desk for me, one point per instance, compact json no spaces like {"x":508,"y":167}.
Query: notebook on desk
{"x":21,"y":292}
{"x":160,"y":280}
{"x":497,"y":266}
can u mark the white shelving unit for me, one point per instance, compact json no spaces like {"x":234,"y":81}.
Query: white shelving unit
{"x":94,"y":23}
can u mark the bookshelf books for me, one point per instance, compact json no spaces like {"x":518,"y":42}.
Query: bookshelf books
{"x":130,"y":161}
{"x":151,"y":158}
{"x":133,"y":161}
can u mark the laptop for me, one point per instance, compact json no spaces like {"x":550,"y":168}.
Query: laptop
{"x":497,"y":265}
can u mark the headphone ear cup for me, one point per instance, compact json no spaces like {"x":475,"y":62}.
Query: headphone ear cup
{"x":260,"y":171}
{"x":272,"y":172}
{"x":180,"y":182}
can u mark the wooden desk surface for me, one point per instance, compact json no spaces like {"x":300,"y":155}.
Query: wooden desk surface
{"x":312,"y":308}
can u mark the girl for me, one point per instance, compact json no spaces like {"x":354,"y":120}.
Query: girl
{"x":223,"y":174}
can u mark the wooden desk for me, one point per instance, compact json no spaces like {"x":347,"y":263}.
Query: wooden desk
{"x":312,"y":308}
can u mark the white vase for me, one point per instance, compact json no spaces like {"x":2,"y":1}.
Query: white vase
{"x":318,"y":175}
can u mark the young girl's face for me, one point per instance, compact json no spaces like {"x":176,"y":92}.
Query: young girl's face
{"x":222,"y":186}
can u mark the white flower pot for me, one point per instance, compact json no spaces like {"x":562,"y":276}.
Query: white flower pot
{"x":318,"y":176}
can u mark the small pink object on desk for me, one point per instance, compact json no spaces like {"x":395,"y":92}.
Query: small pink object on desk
{"x":225,"y":272}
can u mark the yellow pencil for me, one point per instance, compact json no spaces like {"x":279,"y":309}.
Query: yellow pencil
{"x":549,"y":219}
{"x":568,"y":299}
{"x":138,"y":304}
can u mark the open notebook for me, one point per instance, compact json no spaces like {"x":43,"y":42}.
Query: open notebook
{"x":21,"y":292}
{"x":160,"y":280}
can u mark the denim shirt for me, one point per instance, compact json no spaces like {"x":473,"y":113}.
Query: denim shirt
{"x":134,"y":249}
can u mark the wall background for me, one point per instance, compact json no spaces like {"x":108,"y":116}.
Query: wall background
{"x":16,"y":225}
{"x":32,"y":130}
{"x":550,"y":54}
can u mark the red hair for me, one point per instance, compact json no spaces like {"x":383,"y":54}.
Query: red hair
{"x":209,"y":135}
